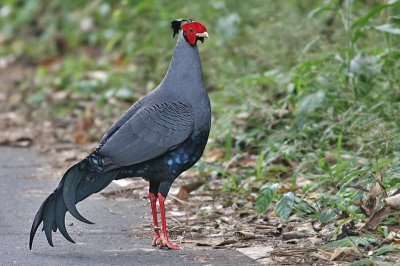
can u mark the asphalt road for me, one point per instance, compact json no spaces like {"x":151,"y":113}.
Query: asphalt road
{"x":25,"y":181}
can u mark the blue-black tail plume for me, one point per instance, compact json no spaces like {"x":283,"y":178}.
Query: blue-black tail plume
{"x":79,"y":182}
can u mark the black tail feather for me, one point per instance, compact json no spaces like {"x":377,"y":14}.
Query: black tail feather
{"x":102,"y":180}
{"x":38,"y":220}
{"x":60,"y":217}
{"x":48,"y":220}
{"x":78,"y":183}
{"x":71,"y":182}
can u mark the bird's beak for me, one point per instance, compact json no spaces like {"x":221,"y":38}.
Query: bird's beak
{"x":202,"y":35}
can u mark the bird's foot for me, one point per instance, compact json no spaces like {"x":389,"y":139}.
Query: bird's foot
{"x":166,"y":243}
{"x":156,"y":241}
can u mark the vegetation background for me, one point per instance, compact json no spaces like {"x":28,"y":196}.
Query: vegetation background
{"x":305,"y":96}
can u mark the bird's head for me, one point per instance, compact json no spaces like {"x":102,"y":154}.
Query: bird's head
{"x":192,"y":30}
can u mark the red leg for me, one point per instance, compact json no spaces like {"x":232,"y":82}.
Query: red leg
{"x":153,"y":202}
{"x":164,"y":238}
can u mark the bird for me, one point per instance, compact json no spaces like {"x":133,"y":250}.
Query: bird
{"x":160,"y":136}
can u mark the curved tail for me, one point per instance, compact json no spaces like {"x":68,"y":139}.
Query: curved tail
{"x":78,"y":183}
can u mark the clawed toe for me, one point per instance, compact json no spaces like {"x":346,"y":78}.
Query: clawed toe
{"x":156,"y":241}
{"x":162,"y":242}
{"x":173,"y":246}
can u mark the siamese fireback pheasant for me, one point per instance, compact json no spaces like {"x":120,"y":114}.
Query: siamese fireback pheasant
{"x":160,"y":136}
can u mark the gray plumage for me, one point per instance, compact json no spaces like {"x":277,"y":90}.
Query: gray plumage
{"x":163,"y":119}
{"x":159,"y":137}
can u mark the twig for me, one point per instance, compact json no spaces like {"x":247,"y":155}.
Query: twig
{"x":357,"y":187}
{"x":378,"y":179}
{"x":180,"y":201}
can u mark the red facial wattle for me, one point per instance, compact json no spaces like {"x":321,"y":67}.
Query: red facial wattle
{"x":194,"y":31}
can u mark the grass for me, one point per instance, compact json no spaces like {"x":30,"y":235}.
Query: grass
{"x":308,"y":87}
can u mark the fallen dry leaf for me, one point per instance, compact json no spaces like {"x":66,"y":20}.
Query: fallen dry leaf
{"x":226,"y":242}
{"x":293,"y":235}
{"x":203,"y":198}
{"x":213,"y":155}
{"x":51,"y":61}
{"x":393,"y":202}
{"x":11,"y":119}
{"x":209,"y":242}
{"x":225,"y":219}
{"x":378,"y":179}
{"x":245,"y":235}
{"x":177,"y":214}
{"x":203,"y":244}
{"x":256,"y":253}
{"x":246,"y":160}
{"x":371,"y":200}
{"x":393,"y":237}
{"x":294,"y":254}
{"x":16,"y":140}
{"x":22,"y":142}
{"x":184,"y":191}
{"x":377,"y":217}
{"x":349,"y":253}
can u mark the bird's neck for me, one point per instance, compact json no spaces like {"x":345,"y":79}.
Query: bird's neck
{"x":185,"y":66}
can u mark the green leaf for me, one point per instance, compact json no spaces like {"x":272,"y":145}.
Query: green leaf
{"x":365,"y":65}
{"x":361,"y":22}
{"x":310,"y":102}
{"x":260,"y":165}
{"x":340,"y":167}
{"x":351,"y":241}
{"x":265,"y":197}
{"x":228,"y":146}
{"x":319,"y":10}
{"x":285,"y":205}
{"x":309,"y":187}
{"x":366,"y":262}
{"x":381,"y":163}
{"x":308,"y":105}
{"x":304,"y":208}
{"x":328,"y":216}
{"x":385,"y":249}
{"x":38,"y":97}
{"x":389,"y":28}
{"x":324,"y":165}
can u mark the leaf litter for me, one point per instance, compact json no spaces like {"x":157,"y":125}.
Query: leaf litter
{"x":202,"y":221}
{"x":202,"y":214}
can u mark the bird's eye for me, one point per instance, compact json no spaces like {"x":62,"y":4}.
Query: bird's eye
{"x":191,"y":29}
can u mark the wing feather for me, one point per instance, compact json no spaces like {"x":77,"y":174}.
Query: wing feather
{"x":148,"y":133}
{"x":121,"y":121}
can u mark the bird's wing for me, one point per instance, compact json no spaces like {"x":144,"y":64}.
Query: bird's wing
{"x":121,"y":121}
{"x":150,"y":132}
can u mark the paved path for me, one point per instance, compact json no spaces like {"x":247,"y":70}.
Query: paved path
{"x":24,"y":184}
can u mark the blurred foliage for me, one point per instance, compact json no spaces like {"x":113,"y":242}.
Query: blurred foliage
{"x":311,"y":88}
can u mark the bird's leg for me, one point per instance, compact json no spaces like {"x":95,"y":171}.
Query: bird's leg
{"x":164,"y":238}
{"x":153,"y":202}
{"x":153,"y":190}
